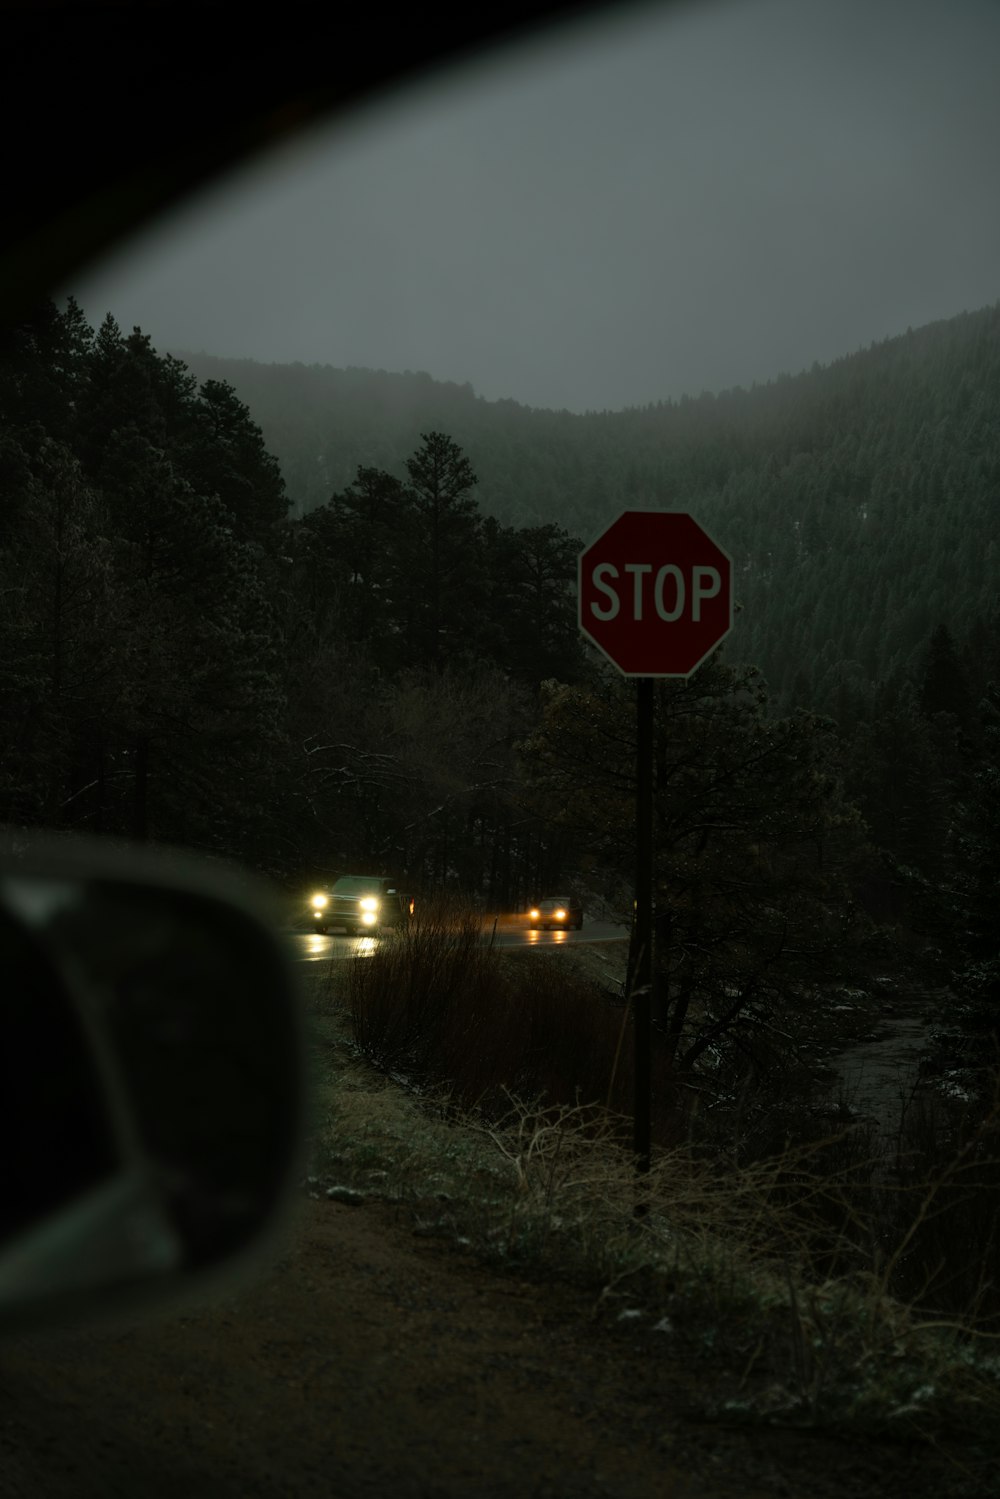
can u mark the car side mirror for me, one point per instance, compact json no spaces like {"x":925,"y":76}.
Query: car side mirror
{"x":151,"y":1077}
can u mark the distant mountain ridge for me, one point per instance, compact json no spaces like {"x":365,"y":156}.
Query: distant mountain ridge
{"x":860,"y":500}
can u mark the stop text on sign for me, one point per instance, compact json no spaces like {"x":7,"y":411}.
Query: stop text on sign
{"x":669,"y":584}
{"x":655,"y":593}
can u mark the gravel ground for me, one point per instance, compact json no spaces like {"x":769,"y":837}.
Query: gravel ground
{"x":371,"y":1361}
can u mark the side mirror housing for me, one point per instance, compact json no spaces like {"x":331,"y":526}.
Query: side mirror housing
{"x":151,"y":1077}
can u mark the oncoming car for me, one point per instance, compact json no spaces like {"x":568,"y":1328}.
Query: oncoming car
{"x":361,"y":903}
{"x":556,"y":911}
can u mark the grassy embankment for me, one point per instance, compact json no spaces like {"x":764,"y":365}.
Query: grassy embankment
{"x":488,"y":1094}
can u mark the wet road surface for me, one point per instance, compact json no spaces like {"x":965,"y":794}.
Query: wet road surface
{"x":315,"y":947}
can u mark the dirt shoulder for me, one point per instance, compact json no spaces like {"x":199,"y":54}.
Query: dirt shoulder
{"x":602,"y":963}
{"x":372,"y":1361}
{"x":377,"y":1357}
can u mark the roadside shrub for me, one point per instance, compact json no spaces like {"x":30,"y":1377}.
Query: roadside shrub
{"x":415,"y":999}
{"x":937,"y":1213}
{"x":716,"y":1268}
{"x":786,"y":1272}
{"x":441,"y":1006}
{"x":443,"y":1009}
{"x":917,"y":1213}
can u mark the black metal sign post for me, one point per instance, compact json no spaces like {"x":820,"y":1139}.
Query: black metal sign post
{"x":642,"y":968}
{"x":654,"y":594}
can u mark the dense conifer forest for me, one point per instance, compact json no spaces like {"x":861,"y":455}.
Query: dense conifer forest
{"x":859,"y":499}
{"x":318,"y":619}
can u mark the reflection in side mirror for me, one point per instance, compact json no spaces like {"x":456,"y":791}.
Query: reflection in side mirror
{"x":151,"y":1093}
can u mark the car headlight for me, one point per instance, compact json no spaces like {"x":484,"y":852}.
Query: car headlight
{"x":559,"y":915}
{"x":319,"y":901}
{"x":534,"y":914}
{"x":368,"y":918}
{"x":368,"y":903}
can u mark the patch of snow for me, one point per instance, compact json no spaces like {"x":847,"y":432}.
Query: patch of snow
{"x":345,"y":1194}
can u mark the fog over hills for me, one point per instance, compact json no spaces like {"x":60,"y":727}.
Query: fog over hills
{"x":657,"y":200}
{"x":859,"y":498}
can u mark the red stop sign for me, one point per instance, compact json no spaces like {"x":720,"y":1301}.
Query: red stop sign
{"x":655,"y":593}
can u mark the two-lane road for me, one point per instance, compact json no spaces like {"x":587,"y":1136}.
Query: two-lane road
{"x":312,"y":947}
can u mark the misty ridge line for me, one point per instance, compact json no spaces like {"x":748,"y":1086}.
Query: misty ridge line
{"x":856,"y":498}
{"x":359,"y":373}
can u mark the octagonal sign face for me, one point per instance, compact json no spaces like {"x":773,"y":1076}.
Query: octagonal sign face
{"x":655,"y":593}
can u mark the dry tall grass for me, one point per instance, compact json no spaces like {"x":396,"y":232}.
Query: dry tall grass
{"x":843,"y":1296}
{"x":440,"y":1005}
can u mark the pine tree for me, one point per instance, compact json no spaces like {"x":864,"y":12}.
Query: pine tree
{"x":139,"y":690}
{"x":943,"y":688}
{"x":895,"y":774}
{"x":445,"y":554}
{"x":974,"y":897}
{"x":757,"y":851}
{"x":61,"y":644}
{"x":41,"y":368}
{"x":529,"y":605}
{"x":225,"y":456}
{"x":364,"y":533}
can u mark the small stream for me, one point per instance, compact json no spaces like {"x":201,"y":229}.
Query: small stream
{"x":875,"y":1075}
{"x":876,"y":1078}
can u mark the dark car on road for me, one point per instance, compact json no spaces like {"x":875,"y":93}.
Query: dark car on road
{"x":362,"y":903}
{"x":556,"y":911}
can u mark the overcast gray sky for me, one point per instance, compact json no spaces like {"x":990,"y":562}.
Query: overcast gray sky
{"x":676,"y":200}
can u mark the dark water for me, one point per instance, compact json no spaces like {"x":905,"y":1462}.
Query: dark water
{"x":876,"y":1078}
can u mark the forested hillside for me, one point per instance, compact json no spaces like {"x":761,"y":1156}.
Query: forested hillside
{"x":860,"y":501}
{"x":180,"y":662}
{"x":396,"y":680}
